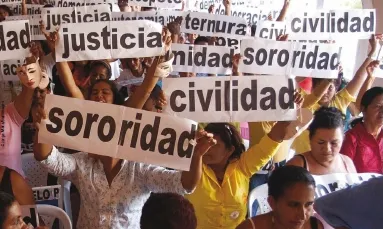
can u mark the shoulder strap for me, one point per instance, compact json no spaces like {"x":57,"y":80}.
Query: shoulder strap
{"x":304,"y":161}
{"x":252,"y":223}
{"x":6,"y":183}
{"x":313,"y":223}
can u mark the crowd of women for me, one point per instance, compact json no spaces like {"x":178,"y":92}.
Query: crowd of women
{"x":344,"y":136}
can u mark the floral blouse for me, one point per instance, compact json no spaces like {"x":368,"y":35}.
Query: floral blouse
{"x":117,"y":206}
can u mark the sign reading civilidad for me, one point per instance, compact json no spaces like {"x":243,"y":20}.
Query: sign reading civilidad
{"x":118,"y":131}
{"x":231,"y":98}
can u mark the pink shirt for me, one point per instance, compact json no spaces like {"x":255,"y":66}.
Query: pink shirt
{"x":10,"y":138}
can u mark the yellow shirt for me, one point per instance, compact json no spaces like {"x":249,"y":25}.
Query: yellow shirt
{"x":225,"y":206}
{"x":341,"y":101}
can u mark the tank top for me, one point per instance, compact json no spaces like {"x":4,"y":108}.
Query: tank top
{"x":313,"y":223}
{"x":6,"y":184}
{"x":306,"y":165}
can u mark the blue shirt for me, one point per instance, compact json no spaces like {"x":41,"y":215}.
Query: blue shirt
{"x":357,"y":207}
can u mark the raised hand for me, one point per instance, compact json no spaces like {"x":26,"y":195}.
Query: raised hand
{"x":371,"y":68}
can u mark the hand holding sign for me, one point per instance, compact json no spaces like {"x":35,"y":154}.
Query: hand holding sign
{"x":52,"y":37}
{"x":205,"y":141}
{"x":371,"y":68}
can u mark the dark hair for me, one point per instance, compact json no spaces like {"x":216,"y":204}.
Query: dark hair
{"x":117,"y":98}
{"x":200,"y":39}
{"x":102,"y":63}
{"x":6,"y":202}
{"x":168,"y":210}
{"x":286,"y":176}
{"x":144,"y":8}
{"x":339,"y":83}
{"x":229,"y":135}
{"x":367,"y":99}
{"x":48,"y":6}
{"x":6,"y":8}
{"x":326,"y":118}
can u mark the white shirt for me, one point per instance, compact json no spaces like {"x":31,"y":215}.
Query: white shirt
{"x":120,"y":205}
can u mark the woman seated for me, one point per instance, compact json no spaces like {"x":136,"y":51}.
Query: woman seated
{"x":14,"y":184}
{"x":11,"y":214}
{"x":291,"y":198}
{"x":168,"y":210}
{"x":364,"y":142}
{"x":326,"y":138}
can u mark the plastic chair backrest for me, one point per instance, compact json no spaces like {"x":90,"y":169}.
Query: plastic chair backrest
{"x":36,"y":174}
{"x":259,"y":194}
{"x":52,"y":211}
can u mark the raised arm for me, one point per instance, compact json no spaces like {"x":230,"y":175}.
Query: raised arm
{"x":284,"y":10}
{"x":23,"y":102}
{"x":355,"y":84}
{"x":142,"y":93}
{"x":258,"y":155}
{"x":227,"y":4}
{"x":366,"y":85}
{"x":22,"y":191}
{"x":24,"y":8}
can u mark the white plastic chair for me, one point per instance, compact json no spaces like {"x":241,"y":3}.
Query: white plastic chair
{"x":37,"y":175}
{"x":52,"y":211}
{"x":259,"y":194}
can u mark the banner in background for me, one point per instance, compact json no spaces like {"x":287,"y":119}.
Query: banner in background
{"x":8,"y":69}
{"x":118,"y":132}
{"x":34,"y":24}
{"x":231,"y":98}
{"x":163,"y":17}
{"x":56,"y":16}
{"x":206,"y":24}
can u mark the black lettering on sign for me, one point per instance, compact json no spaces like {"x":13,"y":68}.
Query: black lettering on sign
{"x":53,"y":113}
{"x":54,"y":20}
{"x":334,"y":23}
{"x":214,"y":26}
{"x":32,"y":219}
{"x":203,"y":58}
{"x":300,"y":59}
{"x":153,"y":131}
{"x":10,"y":69}
{"x":13,"y":40}
{"x":77,"y":118}
{"x":108,"y":39}
{"x":233,"y":97}
{"x":321,"y":190}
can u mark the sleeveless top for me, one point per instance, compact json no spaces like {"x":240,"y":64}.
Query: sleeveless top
{"x":313,"y":223}
{"x":306,"y":165}
{"x":6,"y":184}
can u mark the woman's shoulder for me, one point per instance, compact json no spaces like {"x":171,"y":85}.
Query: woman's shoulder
{"x":298,"y":160}
{"x":261,"y":221}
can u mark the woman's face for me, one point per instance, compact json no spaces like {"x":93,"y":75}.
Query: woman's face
{"x":3,"y":14}
{"x":134,"y":63}
{"x":217,"y":154}
{"x":30,"y":75}
{"x":39,"y":95}
{"x":374,"y":112}
{"x":102,"y":92}
{"x":14,"y":218}
{"x":329,"y":95}
{"x":98,"y":72}
{"x":326,"y":144}
{"x":295,"y":207}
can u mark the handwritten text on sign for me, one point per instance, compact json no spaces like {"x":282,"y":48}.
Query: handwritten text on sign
{"x":232,"y":98}
{"x":261,"y":56}
{"x":109,"y":40}
{"x":14,"y":39}
{"x":118,"y":132}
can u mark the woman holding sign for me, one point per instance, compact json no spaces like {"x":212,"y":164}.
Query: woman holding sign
{"x":326,"y":138}
{"x":113,"y":190}
{"x":220,"y":199}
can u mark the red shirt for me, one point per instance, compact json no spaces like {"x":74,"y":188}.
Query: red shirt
{"x":364,"y":149}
